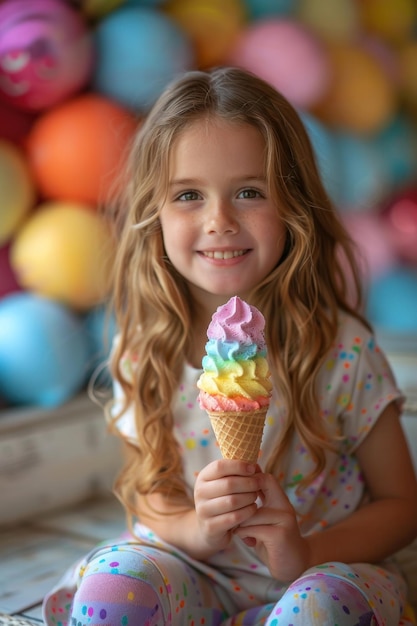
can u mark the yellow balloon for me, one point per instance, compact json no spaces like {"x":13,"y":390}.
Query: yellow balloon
{"x":17,"y":192}
{"x":393,"y":20}
{"x":361,"y":97}
{"x":330,"y":19}
{"x":212,"y":26}
{"x":64,"y":252}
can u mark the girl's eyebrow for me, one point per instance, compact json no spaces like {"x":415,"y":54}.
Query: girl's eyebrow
{"x":239,"y":179}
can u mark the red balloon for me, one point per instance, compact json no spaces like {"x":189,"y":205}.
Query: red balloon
{"x":8,"y":280}
{"x":401,"y":217}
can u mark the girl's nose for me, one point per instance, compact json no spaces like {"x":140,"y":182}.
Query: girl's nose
{"x":221,"y":218}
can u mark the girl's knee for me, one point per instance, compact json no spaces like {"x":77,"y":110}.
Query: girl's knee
{"x":120,"y":587}
{"x":317,"y":600}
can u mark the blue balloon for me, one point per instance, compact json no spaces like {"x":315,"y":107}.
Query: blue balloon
{"x":139,"y":51}
{"x":364,"y":172}
{"x":327,"y":155}
{"x":262,"y":9}
{"x":392,"y":301}
{"x":43,"y":351}
{"x":100,"y":326}
{"x":397,"y":143}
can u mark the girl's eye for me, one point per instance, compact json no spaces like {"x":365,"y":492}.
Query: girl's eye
{"x":249,"y":193}
{"x":187,"y":196}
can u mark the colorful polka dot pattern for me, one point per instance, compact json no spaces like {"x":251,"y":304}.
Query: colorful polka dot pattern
{"x":152,"y":587}
{"x":355,"y":384}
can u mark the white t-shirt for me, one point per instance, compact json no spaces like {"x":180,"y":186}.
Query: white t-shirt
{"x":355,"y":384}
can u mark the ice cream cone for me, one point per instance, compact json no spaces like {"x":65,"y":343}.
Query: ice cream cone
{"x":239,"y":433}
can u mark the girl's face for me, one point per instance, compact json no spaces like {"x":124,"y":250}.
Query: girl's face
{"x":221,"y":229}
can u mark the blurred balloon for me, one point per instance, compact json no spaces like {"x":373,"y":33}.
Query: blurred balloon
{"x":98,"y":8}
{"x":43,"y":351}
{"x":371,"y":235}
{"x":393,"y":20}
{"x":331,"y":19}
{"x":400,"y":214}
{"x":64,"y":251}
{"x":392,"y":301}
{"x":76,"y":149}
{"x":260,"y":9}
{"x":385,"y":55}
{"x":211,"y":25}
{"x":397,"y":145}
{"x":361,"y":98}
{"x":364,"y":180}
{"x":139,"y":50}
{"x":8,"y":280}
{"x":100,"y":327}
{"x":287,"y":55}
{"x":46,"y":53}
{"x":407,"y":56}
{"x":17,"y":192}
{"x":327,"y":155}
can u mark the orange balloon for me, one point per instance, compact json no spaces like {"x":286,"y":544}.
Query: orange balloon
{"x":76,"y":149}
{"x":361,"y":97}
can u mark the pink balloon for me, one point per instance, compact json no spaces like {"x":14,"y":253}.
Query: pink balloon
{"x":288,"y":56}
{"x":400,"y":215}
{"x":46,"y":53}
{"x":371,"y":235}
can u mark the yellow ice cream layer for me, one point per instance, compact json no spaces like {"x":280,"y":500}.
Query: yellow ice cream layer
{"x":250,"y":379}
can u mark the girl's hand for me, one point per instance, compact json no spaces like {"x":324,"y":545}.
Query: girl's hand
{"x":273,"y":532}
{"x":225,"y":496}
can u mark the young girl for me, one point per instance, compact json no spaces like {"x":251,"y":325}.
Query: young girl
{"x":225,"y":199}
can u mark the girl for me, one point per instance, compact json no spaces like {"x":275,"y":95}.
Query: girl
{"x":225,"y":199}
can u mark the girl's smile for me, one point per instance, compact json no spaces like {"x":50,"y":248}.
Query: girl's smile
{"x":221,"y":228}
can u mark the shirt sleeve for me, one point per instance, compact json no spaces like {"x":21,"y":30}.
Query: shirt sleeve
{"x":366,"y":384}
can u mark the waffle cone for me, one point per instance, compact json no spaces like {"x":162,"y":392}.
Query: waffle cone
{"x":239,"y":433}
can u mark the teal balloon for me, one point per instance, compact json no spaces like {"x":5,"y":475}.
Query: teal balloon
{"x":327,"y":155}
{"x":100,"y":327}
{"x":392,"y":301}
{"x":43,"y":351}
{"x":139,"y":51}
{"x":262,"y":9}
{"x":363,"y":172}
{"x":397,"y":144}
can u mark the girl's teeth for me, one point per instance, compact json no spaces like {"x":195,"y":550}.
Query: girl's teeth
{"x":228,"y":254}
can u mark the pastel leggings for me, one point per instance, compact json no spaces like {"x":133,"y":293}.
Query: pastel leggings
{"x":134,"y":585}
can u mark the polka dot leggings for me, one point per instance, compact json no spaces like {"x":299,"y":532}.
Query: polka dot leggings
{"x":134,"y":585}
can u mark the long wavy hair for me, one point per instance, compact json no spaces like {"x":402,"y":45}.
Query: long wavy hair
{"x":301,"y":298}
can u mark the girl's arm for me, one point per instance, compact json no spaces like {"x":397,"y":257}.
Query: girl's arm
{"x":371,"y":533}
{"x":225,"y":496}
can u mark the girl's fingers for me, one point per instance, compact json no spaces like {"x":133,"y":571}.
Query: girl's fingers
{"x":227,"y":467}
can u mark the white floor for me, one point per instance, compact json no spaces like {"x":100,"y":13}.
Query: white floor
{"x":34,"y":555}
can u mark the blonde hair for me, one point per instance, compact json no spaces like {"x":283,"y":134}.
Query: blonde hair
{"x":300,"y":299}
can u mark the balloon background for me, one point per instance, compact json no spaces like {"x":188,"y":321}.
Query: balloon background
{"x":78,"y":76}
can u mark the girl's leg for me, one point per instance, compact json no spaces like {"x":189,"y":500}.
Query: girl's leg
{"x":334,"y":594}
{"x":130,"y":584}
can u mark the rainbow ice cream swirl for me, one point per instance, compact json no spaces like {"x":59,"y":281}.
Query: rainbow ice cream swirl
{"x":235,"y":386}
{"x":236,"y":375}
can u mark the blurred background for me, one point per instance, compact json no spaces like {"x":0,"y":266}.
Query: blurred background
{"x":77,"y":77}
